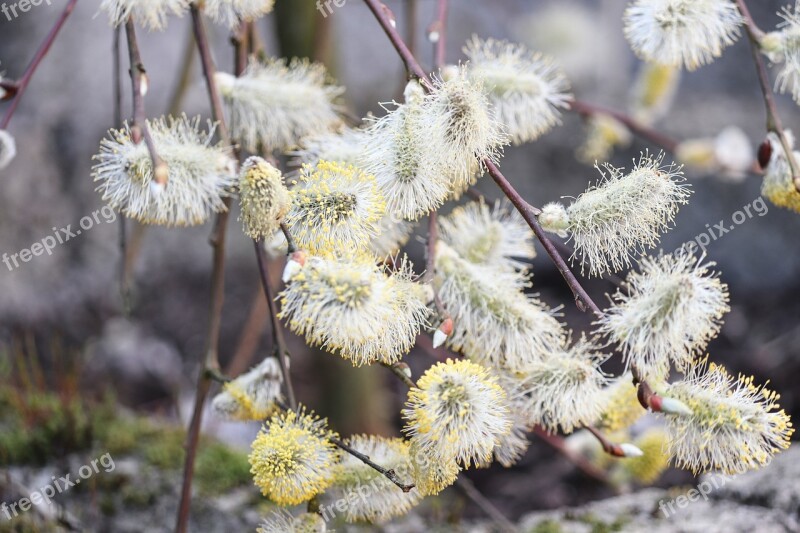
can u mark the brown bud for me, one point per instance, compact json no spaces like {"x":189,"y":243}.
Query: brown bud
{"x":764,"y":154}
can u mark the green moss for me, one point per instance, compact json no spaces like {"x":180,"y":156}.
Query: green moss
{"x":133,"y":496}
{"x":220,"y":468}
{"x":600,"y":526}
{"x":547,"y":526}
{"x":36,"y":426}
{"x":164,"y":448}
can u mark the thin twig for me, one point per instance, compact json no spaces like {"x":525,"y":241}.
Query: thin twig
{"x":439,"y":28}
{"x":20,"y":85}
{"x":391,"y":475}
{"x":185,"y":77}
{"x":773,"y":119}
{"x":586,"y":109}
{"x":583,"y":464}
{"x":277,"y":333}
{"x":217,"y":242}
{"x":609,"y":447}
{"x":249,"y":336}
{"x":413,"y":68}
{"x":412,"y":8}
{"x":139,"y":84}
{"x":290,"y":244}
{"x":400,"y":373}
{"x":124,"y":288}
{"x":469,"y":490}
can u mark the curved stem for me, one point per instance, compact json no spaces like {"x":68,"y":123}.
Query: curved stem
{"x":773,"y":119}
{"x":217,"y":241}
{"x":586,"y":109}
{"x":277,"y":333}
{"x":22,"y":84}
{"x":139,"y":84}
{"x":391,"y":475}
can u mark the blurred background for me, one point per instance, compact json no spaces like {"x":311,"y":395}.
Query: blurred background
{"x":69,"y":349}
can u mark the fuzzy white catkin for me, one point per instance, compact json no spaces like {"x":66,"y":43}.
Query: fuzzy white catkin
{"x":200,"y":174}
{"x":735,"y":425}
{"x":231,"y":12}
{"x":622,"y":215}
{"x":783,"y":46}
{"x":263,"y":198}
{"x":681,"y":32}
{"x":354,"y":308}
{"x":253,"y":395}
{"x":669,"y":312}
{"x":335,"y":208}
{"x":466,"y":129}
{"x":370,"y":496}
{"x":778,"y":184}
{"x":400,"y":150}
{"x":8,"y":148}
{"x":151,"y":14}
{"x":495,"y":323}
{"x":277,"y":103}
{"x":494,"y":236}
{"x":526,"y":89}
{"x":457,"y":410}
{"x":563,"y":390}
{"x":344,"y":146}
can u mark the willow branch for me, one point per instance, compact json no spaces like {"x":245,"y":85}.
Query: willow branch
{"x":122,"y":238}
{"x":399,"y":372}
{"x":609,"y":447}
{"x":18,"y":87}
{"x":139,"y":84}
{"x":773,"y":119}
{"x":584,"y":465}
{"x":291,"y":245}
{"x":412,"y":9}
{"x":586,"y":109}
{"x":469,"y":490}
{"x":277,"y":333}
{"x":439,"y":29}
{"x":390,"y":474}
{"x":217,"y":241}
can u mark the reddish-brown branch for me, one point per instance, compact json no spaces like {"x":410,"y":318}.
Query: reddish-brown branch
{"x":18,"y":87}
{"x":583,"y":464}
{"x":391,"y":475}
{"x":609,"y":447}
{"x":385,"y":18}
{"x":469,"y":490}
{"x":277,"y":333}
{"x":217,"y":240}
{"x":659,"y":139}
{"x":412,"y":8}
{"x":139,"y":129}
{"x":773,"y":119}
{"x":439,"y":28}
